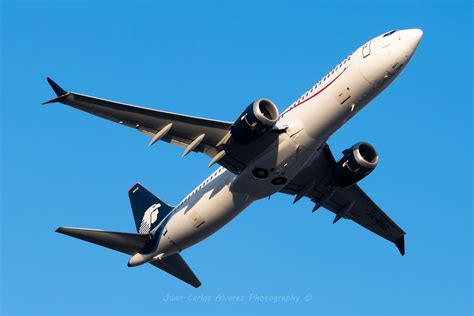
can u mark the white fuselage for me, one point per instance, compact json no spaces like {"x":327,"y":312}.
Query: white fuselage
{"x":309,"y":122}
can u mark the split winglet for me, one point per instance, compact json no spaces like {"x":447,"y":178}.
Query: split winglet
{"x":57,"y":89}
{"x":60,"y":92}
{"x":400,"y":243}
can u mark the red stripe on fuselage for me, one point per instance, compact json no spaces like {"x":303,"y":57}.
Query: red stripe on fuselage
{"x":324,"y":88}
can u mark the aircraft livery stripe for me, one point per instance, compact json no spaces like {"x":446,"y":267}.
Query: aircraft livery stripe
{"x":291,"y":108}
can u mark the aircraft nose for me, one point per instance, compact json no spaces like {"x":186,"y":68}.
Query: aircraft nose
{"x":418,"y":33}
{"x":413,"y":38}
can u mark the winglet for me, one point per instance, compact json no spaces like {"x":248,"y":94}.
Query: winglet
{"x":400,"y":243}
{"x":60,"y":92}
{"x":57,"y":89}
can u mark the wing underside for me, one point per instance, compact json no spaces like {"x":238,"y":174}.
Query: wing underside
{"x":192,"y":133}
{"x":348,"y":203}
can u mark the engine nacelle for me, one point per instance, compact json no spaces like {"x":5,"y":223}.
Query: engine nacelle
{"x":256,"y":120}
{"x":358,"y":161}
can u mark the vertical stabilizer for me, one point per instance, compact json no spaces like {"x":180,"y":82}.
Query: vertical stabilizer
{"x":148,"y":210}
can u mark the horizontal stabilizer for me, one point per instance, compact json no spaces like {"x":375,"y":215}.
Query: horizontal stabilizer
{"x":124,"y":242}
{"x":176,"y":266}
{"x":131,"y":244}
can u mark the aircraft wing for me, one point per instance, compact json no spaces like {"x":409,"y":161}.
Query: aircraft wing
{"x":192,"y":133}
{"x":349,"y":203}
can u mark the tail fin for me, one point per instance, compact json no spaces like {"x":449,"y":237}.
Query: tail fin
{"x":148,"y":210}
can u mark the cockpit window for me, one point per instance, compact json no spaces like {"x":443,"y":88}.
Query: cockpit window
{"x":389,"y":33}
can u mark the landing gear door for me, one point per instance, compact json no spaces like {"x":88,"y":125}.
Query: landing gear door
{"x":366,"y":50}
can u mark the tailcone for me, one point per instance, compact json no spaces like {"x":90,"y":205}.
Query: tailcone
{"x":139,"y":259}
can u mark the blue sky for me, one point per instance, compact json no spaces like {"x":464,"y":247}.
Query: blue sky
{"x":64,"y":167}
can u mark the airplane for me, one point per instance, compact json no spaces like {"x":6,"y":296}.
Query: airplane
{"x":261,"y":153}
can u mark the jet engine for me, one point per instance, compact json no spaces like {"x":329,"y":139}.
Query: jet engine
{"x":259,"y":117}
{"x":358,"y":161}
